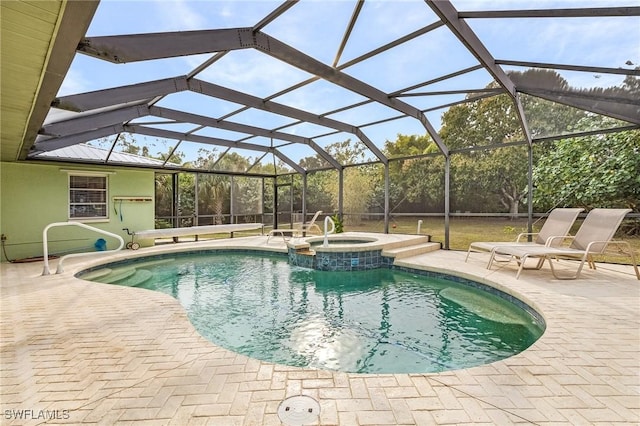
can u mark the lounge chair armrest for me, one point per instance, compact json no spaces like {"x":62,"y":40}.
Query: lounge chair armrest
{"x":625,"y":249}
{"x":526,"y":234}
{"x":606,"y":244}
{"x":557,"y":240}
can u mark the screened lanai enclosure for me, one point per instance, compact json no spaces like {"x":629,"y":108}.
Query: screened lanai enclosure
{"x":384,"y":113}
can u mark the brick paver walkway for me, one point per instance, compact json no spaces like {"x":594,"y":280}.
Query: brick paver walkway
{"x":88,"y":353}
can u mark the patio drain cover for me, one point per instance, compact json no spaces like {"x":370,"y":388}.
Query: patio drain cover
{"x":299,"y":410}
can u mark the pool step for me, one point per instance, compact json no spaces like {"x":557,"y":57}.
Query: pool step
{"x":140,"y":277}
{"x":96,"y":275}
{"x":126,"y":276}
{"x":415,"y":240}
{"x":412,"y":250}
{"x":117,"y":275}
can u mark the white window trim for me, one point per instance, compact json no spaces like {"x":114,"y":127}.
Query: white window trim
{"x":96,"y":219}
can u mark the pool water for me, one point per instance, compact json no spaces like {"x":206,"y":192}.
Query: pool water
{"x":378,"y":321}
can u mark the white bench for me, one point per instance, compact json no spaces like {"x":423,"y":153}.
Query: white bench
{"x":175,"y":233}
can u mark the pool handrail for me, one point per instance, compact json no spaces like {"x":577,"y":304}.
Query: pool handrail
{"x":333,"y":229}
{"x":60,"y":269}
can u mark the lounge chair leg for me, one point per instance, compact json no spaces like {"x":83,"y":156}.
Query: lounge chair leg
{"x":522,"y":261}
{"x":491,"y":258}
{"x":573,"y":277}
{"x":634,"y":263}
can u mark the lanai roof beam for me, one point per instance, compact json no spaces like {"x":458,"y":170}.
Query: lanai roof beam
{"x":449,"y":15}
{"x":211,"y":141}
{"x":286,"y":5}
{"x":97,"y":120}
{"x":143,"y":91}
{"x":600,"y":70}
{"x":585,"y":12}
{"x":242,"y":128}
{"x":286,"y":53}
{"x":165,"y":45}
{"x":231,"y":95}
{"x":347,"y":33}
{"x":465,"y":34}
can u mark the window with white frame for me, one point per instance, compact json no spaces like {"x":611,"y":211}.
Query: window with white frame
{"x":88,"y":196}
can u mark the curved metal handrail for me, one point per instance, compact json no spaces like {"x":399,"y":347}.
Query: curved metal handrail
{"x":45,"y":244}
{"x":333,"y":228}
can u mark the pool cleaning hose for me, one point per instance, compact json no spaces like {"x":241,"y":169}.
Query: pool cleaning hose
{"x":4,"y":250}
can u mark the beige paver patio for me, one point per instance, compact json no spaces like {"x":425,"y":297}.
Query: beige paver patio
{"x":77,"y":352}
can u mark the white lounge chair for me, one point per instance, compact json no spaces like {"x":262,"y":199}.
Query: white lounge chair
{"x":299,"y":229}
{"x":309,"y":226}
{"x":593,"y":237}
{"x":558,"y":222}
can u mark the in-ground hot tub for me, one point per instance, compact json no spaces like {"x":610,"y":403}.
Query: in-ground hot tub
{"x":342,"y":253}
{"x":337,"y":242}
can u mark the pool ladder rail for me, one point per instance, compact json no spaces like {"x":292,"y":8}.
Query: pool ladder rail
{"x":60,"y":269}
{"x":328,"y":220}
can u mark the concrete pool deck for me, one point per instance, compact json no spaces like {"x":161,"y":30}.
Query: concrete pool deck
{"x":78,"y":352}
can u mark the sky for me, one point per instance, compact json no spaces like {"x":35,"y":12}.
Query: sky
{"x":316,"y":28}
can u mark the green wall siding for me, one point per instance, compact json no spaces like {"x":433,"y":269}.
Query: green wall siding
{"x":33,"y":196}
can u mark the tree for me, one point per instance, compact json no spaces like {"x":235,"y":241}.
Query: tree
{"x":358,"y":181}
{"x":415,"y":184}
{"x":496,"y":179}
{"x":485,"y":179}
{"x":358,"y":188}
{"x":631,"y":84}
{"x":214,"y":190}
{"x":247,"y":197}
{"x":164,"y":199}
{"x":591,"y":171}
{"x":186,"y":199}
{"x":318,"y":196}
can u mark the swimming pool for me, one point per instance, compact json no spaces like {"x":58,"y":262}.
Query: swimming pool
{"x":377,"y":321}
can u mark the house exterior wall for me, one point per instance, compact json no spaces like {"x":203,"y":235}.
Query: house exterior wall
{"x":35,"y":195}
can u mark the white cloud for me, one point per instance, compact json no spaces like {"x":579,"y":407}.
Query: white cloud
{"x":253,"y":72}
{"x":74,"y":82}
{"x":180,"y":15}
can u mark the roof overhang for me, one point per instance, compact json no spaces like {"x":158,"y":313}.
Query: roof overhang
{"x":39,"y":41}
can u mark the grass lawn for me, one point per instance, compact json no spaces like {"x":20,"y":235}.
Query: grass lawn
{"x":463,"y":231}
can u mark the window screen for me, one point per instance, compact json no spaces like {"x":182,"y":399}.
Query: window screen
{"x":87,"y":197}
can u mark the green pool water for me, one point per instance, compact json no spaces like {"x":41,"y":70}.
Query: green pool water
{"x":379,"y":321}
